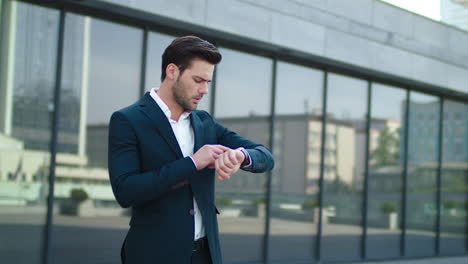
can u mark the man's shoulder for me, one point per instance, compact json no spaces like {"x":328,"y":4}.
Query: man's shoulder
{"x":128,"y":111}
{"x":203,"y":115}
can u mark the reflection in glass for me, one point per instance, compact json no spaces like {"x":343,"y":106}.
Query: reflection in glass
{"x":454,"y":208}
{"x":385,"y":172}
{"x":243,"y":85}
{"x":101,"y":72}
{"x":344,"y":168}
{"x":421,"y":209}
{"x":26,"y":94}
{"x":157,"y":43}
{"x":297,"y":168}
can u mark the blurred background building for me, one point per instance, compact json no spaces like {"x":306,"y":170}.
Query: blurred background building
{"x":455,"y":12}
{"x":364,"y":104}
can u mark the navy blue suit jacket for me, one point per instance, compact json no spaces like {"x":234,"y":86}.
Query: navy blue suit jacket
{"x":149,"y":174}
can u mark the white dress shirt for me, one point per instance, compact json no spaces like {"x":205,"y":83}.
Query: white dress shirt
{"x":184,"y":135}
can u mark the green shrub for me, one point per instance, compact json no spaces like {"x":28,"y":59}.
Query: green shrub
{"x":388,"y":208}
{"x":260,"y":200}
{"x":309,"y":204}
{"x":78,"y":195}
{"x":450,"y":204}
{"x":223,"y":201}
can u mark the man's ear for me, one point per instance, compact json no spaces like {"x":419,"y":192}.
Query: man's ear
{"x":172,"y":71}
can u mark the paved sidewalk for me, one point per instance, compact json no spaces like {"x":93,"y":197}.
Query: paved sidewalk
{"x":441,"y":260}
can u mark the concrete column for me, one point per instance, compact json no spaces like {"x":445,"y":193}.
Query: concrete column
{"x":84,"y":86}
{"x":7,"y":52}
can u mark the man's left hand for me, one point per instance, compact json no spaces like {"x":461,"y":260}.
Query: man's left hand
{"x":228,"y":163}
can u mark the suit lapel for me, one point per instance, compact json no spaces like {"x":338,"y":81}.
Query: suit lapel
{"x":151,"y":109}
{"x":198,"y":131}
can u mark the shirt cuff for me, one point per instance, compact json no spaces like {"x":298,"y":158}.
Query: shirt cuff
{"x":194,"y":163}
{"x":248,"y":161}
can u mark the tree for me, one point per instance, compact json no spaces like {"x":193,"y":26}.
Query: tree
{"x":387,"y":151}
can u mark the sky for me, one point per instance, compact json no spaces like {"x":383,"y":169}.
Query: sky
{"x":427,"y":8}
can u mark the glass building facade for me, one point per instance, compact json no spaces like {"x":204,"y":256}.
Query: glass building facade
{"x":367,"y":168}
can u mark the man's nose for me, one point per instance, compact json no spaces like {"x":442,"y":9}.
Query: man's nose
{"x":204,"y":88}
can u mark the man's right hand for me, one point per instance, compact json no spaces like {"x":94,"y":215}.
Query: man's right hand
{"x":206,"y":155}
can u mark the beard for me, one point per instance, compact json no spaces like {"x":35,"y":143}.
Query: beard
{"x":182,"y":98}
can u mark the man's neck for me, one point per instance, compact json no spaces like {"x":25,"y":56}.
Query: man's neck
{"x":165,"y":94}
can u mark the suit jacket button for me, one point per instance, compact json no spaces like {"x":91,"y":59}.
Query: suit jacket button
{"x":192,"y":212}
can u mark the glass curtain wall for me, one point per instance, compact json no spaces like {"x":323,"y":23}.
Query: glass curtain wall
{"x":27,"y":82}
{"x":454,"y":207}
{"x":344,"y":168}
{"x":297,"y":142}
{"x":421,"y":207}
{"x":101,"y":74}
{"x":385,"y":172}
{"x":243,"y":102}
{"x":157,"y":42}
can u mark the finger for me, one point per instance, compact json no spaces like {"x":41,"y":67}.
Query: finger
{"x":227,"y":161}
{"x":234,"y":170}
{"x":222,"y":148}
{"x":222,"y":174}
{"x":222,"y":167}
{"x":221,"y":178}
{"x":218,"y":151}
{"x":215,"y":155}
{"x":225,"y":176}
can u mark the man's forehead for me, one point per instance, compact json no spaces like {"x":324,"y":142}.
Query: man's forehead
{"x":201,"y":69}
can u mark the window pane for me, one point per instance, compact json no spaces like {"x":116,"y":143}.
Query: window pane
{"x":101,"y":74}
{"x":344,"y":168}
{"x":385,"y":172}
{"x":157,"y":43}
{"x":454,"y":179}
{"x":26,"y":96}
{"x":422,"y":174}
{"x":243,"y":85}
{"x":297,"y":168}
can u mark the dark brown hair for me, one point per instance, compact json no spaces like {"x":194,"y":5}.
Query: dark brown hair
{"x":183,"y":50}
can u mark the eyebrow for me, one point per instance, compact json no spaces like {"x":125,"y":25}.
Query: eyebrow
{"x":196,"y":76}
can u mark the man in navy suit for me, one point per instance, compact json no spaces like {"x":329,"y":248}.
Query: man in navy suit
{"x":163,"y":155}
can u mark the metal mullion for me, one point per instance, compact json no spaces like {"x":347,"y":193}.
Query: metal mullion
{"x":266,"y":241}
{"x":439,"y":178}
{"x":213,"y":92}
{"x":144,"y":52}
{"x":47,"y":248}
{"x":2,"y":17}
{"x":318,"y":245}
{"x":405,"y":177}
{"x":366,"y":174}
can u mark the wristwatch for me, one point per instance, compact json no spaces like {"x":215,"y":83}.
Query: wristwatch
{"x":246,"y":157}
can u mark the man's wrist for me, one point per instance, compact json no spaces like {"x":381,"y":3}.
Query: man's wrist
{"x":246,"y":154}
{"x":194,"y":163}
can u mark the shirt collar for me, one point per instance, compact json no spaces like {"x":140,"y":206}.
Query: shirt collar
{"x":167,"y":112}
